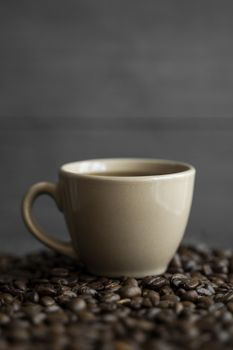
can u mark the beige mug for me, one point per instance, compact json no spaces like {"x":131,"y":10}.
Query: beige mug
{"x":125,"y":216}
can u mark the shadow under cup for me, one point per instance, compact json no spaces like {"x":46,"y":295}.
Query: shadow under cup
{"x":126,"y":217}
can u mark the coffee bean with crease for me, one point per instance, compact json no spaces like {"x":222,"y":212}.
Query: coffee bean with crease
{"x":154,"y":282}
{"x":46,"y":289}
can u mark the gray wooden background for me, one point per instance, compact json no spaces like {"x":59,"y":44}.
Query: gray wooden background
{"x":83,"y":79}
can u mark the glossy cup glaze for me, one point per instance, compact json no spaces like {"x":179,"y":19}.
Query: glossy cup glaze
{"x":119,"y":225}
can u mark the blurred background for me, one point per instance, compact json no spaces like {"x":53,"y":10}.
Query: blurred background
{"x":85,"y":79}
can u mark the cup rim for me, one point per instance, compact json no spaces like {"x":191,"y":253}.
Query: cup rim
{"x":64,"y":169}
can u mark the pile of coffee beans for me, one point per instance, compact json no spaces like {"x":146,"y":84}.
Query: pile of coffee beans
{"x":48,"y":301}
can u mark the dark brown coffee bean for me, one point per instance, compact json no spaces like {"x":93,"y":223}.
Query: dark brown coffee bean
{"x":230,"y":306}
{"x":177,"y":279}
{"x":136,"y":302}
{"x":31,"y":309}
{"x":87,"y":290}
{"x":154,"y":282}
{"x":108,"y":306}
{"x":32,"y":296}
{"x":47,"y":301}
{"x":228,"y":297}
{"x":190,"y":295}
{"x":192,"y":283}
{"x":6,"y":298}
{"x":205,"y":301}
{"x":77,"y":304}
{"x":46,"y":289}
{"x":130,"y":291}
{"x":205,"y":291}
{"x":131,"y":282}
{"x":110,"y":297}
{"x":20,"y":284}
{"x":112,"y":286}
{"x":153,"y":296}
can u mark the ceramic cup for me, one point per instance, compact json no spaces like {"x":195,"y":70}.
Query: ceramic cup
{"x":125,"y":216}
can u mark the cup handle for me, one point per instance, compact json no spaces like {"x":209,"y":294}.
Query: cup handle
{"x":31,"y":195}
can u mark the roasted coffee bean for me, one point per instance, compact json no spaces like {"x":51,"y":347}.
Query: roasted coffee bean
{"x":152,"y":296}
{"x":228,"y":297}
{"x":46,"y":289}
{"x":136,"y":302}
{"x":20,"y":284}
{"x":32,"y":296}
{"x":110,"y":297}
{"x":190,"y":295}
{"x":155,"y":283}
{"x":6,"y":298}
{"x":77,"y":304}
{"x":129,"y":291}
{"x":87,"y":291}
{"x":49,"y":301}
{"x":205,"y":291}
{"x":131,"y":282}
{"x":205,"y":302}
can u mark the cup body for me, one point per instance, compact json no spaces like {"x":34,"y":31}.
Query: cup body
{"x":126,"y":225}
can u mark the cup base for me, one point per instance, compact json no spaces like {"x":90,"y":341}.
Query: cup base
{"x":136,"y":274}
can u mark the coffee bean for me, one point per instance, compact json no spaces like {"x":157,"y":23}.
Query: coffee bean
{"x":130,"y":291}
{"x":154,"y":282}
{"x":77,"y":304}
{"x":190,"y":295}
{"x":110,"y":297}
{"x":87,"y":290}
{"x":228,"y":297}
{"x":20,"y":284}
{"x":205,"y":302}
{"x":47,"y":301}
{"x":230,"y":306}
{"x":136,"y":302}
{"x":6,"y":298}
{"x":131,"y":282}
{"x":205,"y":291}
{"x":46,"y":289}
{"x":112,"y":286}
{"x":32,"y":296}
